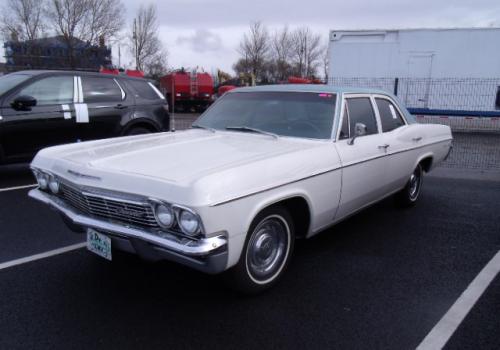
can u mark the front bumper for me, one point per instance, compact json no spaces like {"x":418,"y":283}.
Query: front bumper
{"x":208,"y":254}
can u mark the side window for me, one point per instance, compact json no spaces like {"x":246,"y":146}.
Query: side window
{"x":361,"y":111}
{"x":96,"y":89}
{"x":389,"y":115}
{"x":50,"y":91}
{"x":145,"y":90}
{"x":344,"y":130}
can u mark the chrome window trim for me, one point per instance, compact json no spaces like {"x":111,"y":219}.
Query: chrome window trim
{"x":391,"y":100}
{"x":346,"y":96}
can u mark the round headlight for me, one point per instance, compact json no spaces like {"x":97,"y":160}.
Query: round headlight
{"x":54,"y":185}
{"x":42,"y":179}
{"x":189,"y":222}
{"x":164,"y":215}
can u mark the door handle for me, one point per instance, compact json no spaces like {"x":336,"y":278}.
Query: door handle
{"x":416,"y":139}
{"x":384,"y":147}
{"x":120,"y":106}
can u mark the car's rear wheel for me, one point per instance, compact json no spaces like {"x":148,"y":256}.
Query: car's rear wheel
{"x":137,"y":130}
{"x":267,"y":252}
{"x":409,"y":195}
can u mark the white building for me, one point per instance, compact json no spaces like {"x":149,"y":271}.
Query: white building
{"x":457,"y":69}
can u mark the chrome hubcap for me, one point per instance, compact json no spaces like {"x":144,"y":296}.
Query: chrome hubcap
{"x":267,"y":248}
{"x":414,"y":184}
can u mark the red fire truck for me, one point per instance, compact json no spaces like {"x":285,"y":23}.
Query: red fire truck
{"x":188,"y":90}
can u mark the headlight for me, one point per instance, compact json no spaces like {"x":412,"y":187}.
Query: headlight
{"x":53,"y":185}
{"x":42,"y":179}
{"x":189,"y":222}
{"x":164,"y":215}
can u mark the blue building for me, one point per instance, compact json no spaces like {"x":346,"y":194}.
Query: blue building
{"x":54,"y":53}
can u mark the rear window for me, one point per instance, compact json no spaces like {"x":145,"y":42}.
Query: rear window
{"x":96,"y":89}
{"x":389,"y":115}
{"x":145,"y":90}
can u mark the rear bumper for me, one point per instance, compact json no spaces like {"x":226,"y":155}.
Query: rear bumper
{"x":208,"y":254}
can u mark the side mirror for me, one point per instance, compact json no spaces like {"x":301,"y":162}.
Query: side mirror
{"x":23,"y":103}
{"x":359,"y":130}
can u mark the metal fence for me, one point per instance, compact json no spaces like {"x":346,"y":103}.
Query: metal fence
{"x":475,"y":151}
{"x":445,"y":94}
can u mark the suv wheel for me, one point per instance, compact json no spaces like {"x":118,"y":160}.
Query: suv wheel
{"x":266,"y":254}
{"x":138,"y":130}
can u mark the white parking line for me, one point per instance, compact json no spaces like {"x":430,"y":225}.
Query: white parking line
{"x":48,"y":254}
{"x":445,"y":328}
{"x":16,"y":188}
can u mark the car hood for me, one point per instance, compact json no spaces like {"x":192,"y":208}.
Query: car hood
{"x":219,"y":164}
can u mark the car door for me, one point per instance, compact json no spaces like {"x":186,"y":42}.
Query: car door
{"x":48,"y":123}
{"x":402,"y":141}
{"x":363,"y":164}
{"x":107,"y":103}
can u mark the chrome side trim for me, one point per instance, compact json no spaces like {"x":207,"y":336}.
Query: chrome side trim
{"x":340,"y":167}
{"x":200,"y":247}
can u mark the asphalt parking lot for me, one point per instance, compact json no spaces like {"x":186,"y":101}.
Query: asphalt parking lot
{"x":381,"y":280}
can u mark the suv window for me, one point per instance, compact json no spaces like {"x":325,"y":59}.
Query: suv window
{"x":50,"y":91}
{"x":145,"y":90}
{"x":389,"y":115}
{"x":360,"y":110}
{"x":96,"y":89}
{"x":10,"y":81}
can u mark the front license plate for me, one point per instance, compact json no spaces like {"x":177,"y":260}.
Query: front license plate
{"x":99,"y":244}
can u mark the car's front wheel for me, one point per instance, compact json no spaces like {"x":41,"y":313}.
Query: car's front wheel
{"x":409,"y":195}
{"x":267,"y":252}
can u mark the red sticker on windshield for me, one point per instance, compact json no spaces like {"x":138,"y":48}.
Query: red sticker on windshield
{"x":324,"y":95}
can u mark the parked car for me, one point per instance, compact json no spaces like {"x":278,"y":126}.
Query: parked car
{"x":46,"y":108}
{"x":260,"y":168}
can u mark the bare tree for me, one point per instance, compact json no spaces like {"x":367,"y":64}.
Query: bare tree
{"x":254,"y":49}
{"x":103,"y":19}
{"x":326,"y":61}
{"x":282,"y":48}
{"x":85,"y":20}
{"x":146,"y":47}
{"x":23,"y":19}
{"x":307,"y":51}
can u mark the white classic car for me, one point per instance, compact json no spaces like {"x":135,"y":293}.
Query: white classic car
{"x":261,"y":167}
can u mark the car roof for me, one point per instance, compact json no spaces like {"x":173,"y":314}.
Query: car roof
{"x":309,"y":88}
{"x":78,"y":72}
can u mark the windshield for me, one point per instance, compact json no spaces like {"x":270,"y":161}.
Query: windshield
{"x":297,"y":114}
{"x":9,"y":81}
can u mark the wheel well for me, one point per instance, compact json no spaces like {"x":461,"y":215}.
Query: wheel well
{"x":145,"y":125}
{"x":300,"y":213}
{"x":426,"y":164}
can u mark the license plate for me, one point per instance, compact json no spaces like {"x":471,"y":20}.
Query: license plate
{"x":99,"y":244}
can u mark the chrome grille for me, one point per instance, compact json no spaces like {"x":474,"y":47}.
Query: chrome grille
{"x":117,"y":209}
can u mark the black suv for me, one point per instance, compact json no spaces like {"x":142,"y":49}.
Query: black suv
{"x":46,"y":108}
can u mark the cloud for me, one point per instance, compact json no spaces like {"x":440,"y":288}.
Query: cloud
{"x":201,"y":41}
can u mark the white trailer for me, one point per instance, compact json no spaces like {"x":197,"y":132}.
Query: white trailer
{"x":444,"y":69}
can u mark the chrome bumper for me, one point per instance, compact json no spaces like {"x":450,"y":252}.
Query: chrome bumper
{"x":190,"y":248}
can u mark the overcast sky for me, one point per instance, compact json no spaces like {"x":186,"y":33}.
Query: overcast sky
{"x":206,"y":33}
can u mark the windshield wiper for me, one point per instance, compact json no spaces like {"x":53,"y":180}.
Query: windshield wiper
{"x":248,"y":128}
{"x":198,"y":126}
